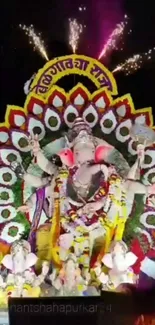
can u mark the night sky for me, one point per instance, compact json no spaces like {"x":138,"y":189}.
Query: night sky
{"x":18,"y":61}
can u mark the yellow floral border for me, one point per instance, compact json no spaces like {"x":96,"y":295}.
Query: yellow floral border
{"x":67,"y":95}
{"x":133,"y":110}
{"x":87,"y":73}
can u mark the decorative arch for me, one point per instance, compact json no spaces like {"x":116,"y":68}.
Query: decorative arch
{"x":82,"y":65}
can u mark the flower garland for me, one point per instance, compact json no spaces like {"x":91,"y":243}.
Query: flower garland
{"x":71,"y":222}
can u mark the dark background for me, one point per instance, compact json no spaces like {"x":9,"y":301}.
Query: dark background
{"x":18,"y":61}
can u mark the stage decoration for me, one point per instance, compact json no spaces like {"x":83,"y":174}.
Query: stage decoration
{"x":77,"y":187}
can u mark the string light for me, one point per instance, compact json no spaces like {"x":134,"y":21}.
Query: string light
{"x":135,"y":62}
{"x":35,"y":40}
{"x":115,"y":36}
{"x":75,"y":29}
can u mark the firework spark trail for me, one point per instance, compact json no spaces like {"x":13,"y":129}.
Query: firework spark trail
{"x":75,"y":29}
{"x":35,"y":40}
{"x":114,"y":38}
{"x":135,"y":62}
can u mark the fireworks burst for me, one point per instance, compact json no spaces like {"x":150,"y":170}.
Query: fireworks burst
{"x":135,"y":62}
{"x":75,"y":29}
{"x":35,"y":40}
{"x":115,"y":37}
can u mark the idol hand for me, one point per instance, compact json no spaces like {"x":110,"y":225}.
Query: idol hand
{"x":91,"y":208}
{"x":34,"y":145}
{"x":45,"y":268}
{"x":141,"y":153}
{"x":86,"y":210}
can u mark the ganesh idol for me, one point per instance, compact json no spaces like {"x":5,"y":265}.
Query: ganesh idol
{"x":87,"y":199}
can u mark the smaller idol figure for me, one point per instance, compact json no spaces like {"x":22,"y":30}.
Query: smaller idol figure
{"x":118,"y":263}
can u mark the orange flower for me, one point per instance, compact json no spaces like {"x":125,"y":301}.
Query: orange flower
{"x":4,"y":248}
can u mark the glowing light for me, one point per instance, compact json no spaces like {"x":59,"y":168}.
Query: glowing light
{"x":82,"y":8}
{"x":75,"y":29}
{"x":115,"y":36}
{"x":135,"y":62}
{"x":35,"y":40}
